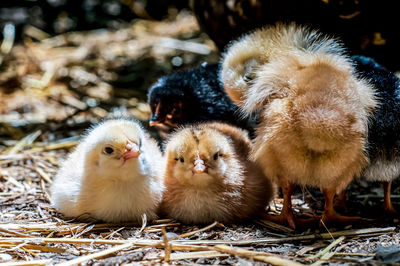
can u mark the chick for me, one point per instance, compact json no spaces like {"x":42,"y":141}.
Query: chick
{"x":209,"y":178}
{"x":383,"y":138}
{"x":193,"y":95}
{"x":243,"y":57}
{"x":314,"y":118}
{"x":114,"y":175}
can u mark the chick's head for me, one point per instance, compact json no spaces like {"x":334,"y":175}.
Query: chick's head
{"x":239,"y":64}
{"x":112,"y":146}
{"x":200,"y":157}
{"x":167,"y":111}
{"x":166,"y":99}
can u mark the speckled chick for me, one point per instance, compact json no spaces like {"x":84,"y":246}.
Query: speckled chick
{"x":315,"y":110}
{"x":208,"y":176}
{"x":114,"y":175}
{"x":384,"y":128}
{"x":191,"y":96}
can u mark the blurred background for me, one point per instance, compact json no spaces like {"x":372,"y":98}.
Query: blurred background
{"x":67,"y":64}
{"x":60,"y":16}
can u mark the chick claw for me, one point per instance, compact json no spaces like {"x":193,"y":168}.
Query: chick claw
{"x":334,"y":217}
{"x":288,"y":218}
{"x":283,"y":218}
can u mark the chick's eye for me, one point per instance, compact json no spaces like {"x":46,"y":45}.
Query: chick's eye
{"x":108,"y":150}
{"x":247,"y":77}
{"x":216,"y":156}
{"x":179,"y":159}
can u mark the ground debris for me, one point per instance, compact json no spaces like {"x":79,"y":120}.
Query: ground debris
{"x":71,"y":80}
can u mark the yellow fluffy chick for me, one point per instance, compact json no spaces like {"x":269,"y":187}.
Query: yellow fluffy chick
{"x":245,"y":56}
{"x":114,"y":175}
{"x":314,"y":110}
{"x":208,"y":176}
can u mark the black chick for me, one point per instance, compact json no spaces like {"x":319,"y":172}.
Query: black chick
{"x":191,"y":96}
{"x":383,"y":138}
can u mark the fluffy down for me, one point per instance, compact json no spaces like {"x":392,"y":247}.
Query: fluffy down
{"x":114,"y":175}
{"x":314,"y":109}
{"x":209,"y":178}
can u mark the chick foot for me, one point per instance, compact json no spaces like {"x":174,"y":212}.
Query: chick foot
{"x":291,"y":220}
{"x":284,"y":218}
{"x":387,"y":202}
{"x":341,"y":202}
{"x":389,"y":209}
{"x":330,"y":215}
{"x":287,"y":217}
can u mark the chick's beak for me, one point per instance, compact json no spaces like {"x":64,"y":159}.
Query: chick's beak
{"x":131,"y":151}
{"x":199,"y":166}
{"x":156,"y":118}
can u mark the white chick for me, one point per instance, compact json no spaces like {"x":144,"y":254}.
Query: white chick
{"x":114,"y":175}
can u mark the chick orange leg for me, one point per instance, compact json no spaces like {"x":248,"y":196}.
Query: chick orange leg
{"x":340,"y":202}
{"x":286,"y":215}
{"x":330,"y":215}
{"x":387,"y":202}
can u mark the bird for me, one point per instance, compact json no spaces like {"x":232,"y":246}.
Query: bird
{"x":113,"y":175}
{"x":191,"y":96}
{"x":208,"y":176}
{"x":314,"y":110}
{"x":383,"y":147}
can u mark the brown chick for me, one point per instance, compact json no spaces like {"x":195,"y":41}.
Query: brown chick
{"x":209,"y":178}
{"x":315,"y":111}
{"x":114,"y":175}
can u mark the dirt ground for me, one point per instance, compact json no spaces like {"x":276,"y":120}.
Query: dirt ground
{"x":52,"y":89}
